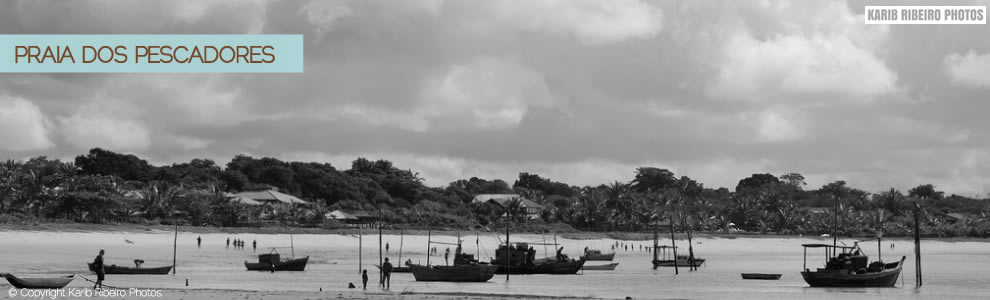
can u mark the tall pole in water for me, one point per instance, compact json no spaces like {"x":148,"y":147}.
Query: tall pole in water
{"x":835,"y":223}
{"x":687,"y":226}
{"x":507,"y":245}
{"x":175,"y":243}
{"x":673,"y":245}
{"x":360,"y":250}
{"x":656,"y":238}
{"x":429,"y":236}
{"x":917,"y":240}
{"x":402,"y":234}
{"x":381,"y":253}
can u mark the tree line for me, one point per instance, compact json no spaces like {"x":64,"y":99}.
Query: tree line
{"x":102,"y":186}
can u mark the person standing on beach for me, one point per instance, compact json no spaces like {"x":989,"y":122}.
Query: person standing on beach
{"x":98,"y":268}
{"x":364,"y":279}
{"x":254,"y":244}
{"x":446,"y":256}
{"x":386,"y":247}
{"x":228,"y":243}
{"x":387,"y":274}
{"x":199,"y":241}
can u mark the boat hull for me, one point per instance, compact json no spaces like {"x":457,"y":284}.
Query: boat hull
{"x":761,"y":276}
{"x":547,"y":267}
{"x":298,"y":264}
{"x":679,"y":263}
{"x":120,"y":270}
{"x":603,"y":257}
{"x":840,"y":278}
{"x":37,"y":283}
{"x":607,"y":267}
{"x":460,"y":273}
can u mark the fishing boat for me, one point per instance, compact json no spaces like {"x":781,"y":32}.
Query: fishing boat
{"x":850,"y":269}
{"x":760,"y":276}
{"x":606,"y":267}
{"x":465,"y":268}
{"x":272,"y":262}
{"x":521,"y":260}
{"x":590,"y":254}
{"x":136,"y":270}
{"x":38,"y":282}
{"x":682,"y":260}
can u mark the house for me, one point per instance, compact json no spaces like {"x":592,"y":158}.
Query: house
{"x":271,"y":196}
{"x":532,"y":209}
{"x":351,"y":217}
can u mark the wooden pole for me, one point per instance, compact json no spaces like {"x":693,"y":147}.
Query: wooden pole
{"x":381,"y":252}
{"x":401,"y":236}
{"x":656,"y":238}
{"x":175,"y":243}
{"x":917,"y":241}
{"x":429,"y":236}
{"x":835,"y":224}
{"x":360,"y":250}
{"x":692,"y":267}
{"x":673,"y":243}
{"x":292,"y":247}
{"x":508,"y":253}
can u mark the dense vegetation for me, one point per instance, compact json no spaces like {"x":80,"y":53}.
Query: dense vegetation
{"x":107,"y":187}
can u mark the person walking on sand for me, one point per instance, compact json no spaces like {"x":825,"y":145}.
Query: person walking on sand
{"x":364,"y":279}
{"x":100,"y":272}
{"x":386,"y":247}
{"x":228,"y":243}
{"x":254,"y":244}
{"x":387,"y":274}
{"x":199,"y":241}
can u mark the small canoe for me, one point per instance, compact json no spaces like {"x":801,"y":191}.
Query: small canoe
{"x":38,"y":282}
{"x":122,"y":270}
{"x":607,"y":267}
{"x":761,"y":276}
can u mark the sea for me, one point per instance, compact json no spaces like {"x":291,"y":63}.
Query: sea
{"x":951,"y":269}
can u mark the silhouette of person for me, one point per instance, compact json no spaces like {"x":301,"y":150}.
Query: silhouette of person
{"x":386,"y":247}
{"x":100,"y":271}
{"x":228,"y":242}
{"x":446,"y":256}
{"x":199,"y":241}
{"x":386,"y":274}
{"x":254,"y":244}
{"x":364,"y":278}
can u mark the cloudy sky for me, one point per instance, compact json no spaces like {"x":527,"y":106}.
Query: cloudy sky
{"x":579,"y":91}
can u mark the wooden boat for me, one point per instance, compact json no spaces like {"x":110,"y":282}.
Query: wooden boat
{"x":607,"y":267}
{"x":273,"y":262}
{"x":850,"y":269}
{"x":38,"y":282}
{"x":682,"y":261}
{"x":465,"y":268}
{"x":522,"y":261}
{"x":598,"y":255}
{"x":761,"y":276}
{"x":137,"y":270}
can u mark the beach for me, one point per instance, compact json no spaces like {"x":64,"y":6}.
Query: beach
{"x":953,"y":269}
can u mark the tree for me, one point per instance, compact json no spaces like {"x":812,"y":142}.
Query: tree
{"x":755,"y":181}
{"x":103,"y":162}
{"x":650,"y":179}
{"x":926,"y":191}
{"x":794,"y":179}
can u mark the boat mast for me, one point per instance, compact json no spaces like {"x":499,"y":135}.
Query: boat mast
{"x":508,"y":216}
{"x":175,"y":243}
{"x":835,"y":225}
{"x":673,"y":244}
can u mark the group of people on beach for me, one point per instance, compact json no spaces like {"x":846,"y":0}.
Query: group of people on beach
{"x":238,"y":244}
{"x":386,"y":276}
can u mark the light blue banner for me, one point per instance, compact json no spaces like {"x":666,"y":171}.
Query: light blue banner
{"x":150,"y":53}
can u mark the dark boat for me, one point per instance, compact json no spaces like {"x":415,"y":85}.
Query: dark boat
{"x":38,"y":283}
{"x":522,"y":261}
{"x":850,"y":269}
{"x":598,"y":255}
{"x":465,"y":269}
{"x":761,"y":276}
{"x":273,"y":262}
{"x":136,"y":270}
{"x":607,"y":267}
{"x":682,"y":261}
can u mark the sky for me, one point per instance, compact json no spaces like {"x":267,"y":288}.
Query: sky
{"x":578,"y":91}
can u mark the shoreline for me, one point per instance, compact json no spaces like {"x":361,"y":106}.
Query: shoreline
{"x":580,"y":235}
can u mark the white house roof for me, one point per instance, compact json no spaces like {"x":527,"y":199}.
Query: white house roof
{"x":271,"y":196}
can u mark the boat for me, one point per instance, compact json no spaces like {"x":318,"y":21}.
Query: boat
{"x":521,"y":260}
{"x":590,"y":254}
{"x":136,"y":270}
{"x":682,"y":261}
{"x":761,"y":276}
{"x":465,"y":268}
{"x":606,"y":267}
{"x":272,"y":262}
{"x":850,"y":269}
{"x":38,"y":282}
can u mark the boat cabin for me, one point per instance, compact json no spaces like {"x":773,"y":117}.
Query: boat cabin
{"x":844,"y":259}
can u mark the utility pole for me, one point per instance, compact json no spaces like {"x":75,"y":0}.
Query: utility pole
{"x":917,"y":240}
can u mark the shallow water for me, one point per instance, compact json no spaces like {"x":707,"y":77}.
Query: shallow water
{"x":952,"y":270}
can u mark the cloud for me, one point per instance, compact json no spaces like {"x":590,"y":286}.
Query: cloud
{"x":23,"y":127}
{"x":970,"y":69}
{"x":105,"y":124}
{"x":590,"y":21}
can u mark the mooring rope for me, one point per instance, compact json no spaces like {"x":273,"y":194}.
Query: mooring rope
{"x":105,"y":285}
